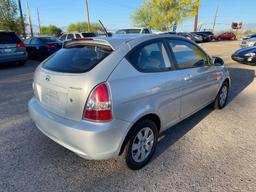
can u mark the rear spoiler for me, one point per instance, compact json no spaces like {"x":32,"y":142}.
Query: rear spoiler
{"x":83,"y":41}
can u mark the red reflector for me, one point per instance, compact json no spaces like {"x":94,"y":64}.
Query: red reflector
{"x":98,"y":106}
{"x":20,"y":45}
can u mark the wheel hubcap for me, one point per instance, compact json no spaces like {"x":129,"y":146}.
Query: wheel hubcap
{"x":142,"y":144}
{"x":223,"y":95}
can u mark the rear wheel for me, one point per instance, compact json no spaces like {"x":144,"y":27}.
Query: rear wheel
{"x":222,"y":97}
{"x":141,"y":144}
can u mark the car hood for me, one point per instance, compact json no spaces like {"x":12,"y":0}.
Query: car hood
{"x":244,"y":51}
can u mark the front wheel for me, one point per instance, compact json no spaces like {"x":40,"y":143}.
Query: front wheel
{"x":222,"y":97}
{"x":141,"y":145}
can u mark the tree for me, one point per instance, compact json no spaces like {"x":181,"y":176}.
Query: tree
{"x":82,"y":27}
{"x":8,"y":15}
{"x":51,"y":30}
{"x":163,"y":14}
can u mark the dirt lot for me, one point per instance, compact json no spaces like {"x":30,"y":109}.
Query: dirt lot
{"x":210,"y":151}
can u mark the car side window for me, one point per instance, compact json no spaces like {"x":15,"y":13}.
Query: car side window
{"x":187,"y":55}
{"x":35,"y":41}
{"x":70,"y":36}
{"x":63,"y":37}
{"x":150,"y":57}
{"x":145,"y":31}
{"x":77,"y":36}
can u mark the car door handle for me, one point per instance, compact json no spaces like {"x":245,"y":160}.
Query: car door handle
{"x":188,"y":77}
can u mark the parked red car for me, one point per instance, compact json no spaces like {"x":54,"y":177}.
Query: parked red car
{"x":226,"y":36}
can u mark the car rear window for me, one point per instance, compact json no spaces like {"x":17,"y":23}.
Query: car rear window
{"x":9,"y":38}
{"x":78,"y":59}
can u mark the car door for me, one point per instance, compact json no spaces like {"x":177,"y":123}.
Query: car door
{"x":154,"y":83}
{"x":199,"y":76}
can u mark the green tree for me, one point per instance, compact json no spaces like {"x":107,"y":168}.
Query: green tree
{"x":163,"y":14}
{"x":82,"y":27}
{"x":8,"y":15}
{"x":51,"y":30}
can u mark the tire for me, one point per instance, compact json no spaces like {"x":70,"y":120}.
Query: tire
{"x":222,"y":97}
{"x":135,"y":148}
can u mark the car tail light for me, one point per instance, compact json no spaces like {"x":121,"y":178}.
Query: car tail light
{"x":20,"y":45}
{"x":98,"y":106}
{"x":49,"y":46}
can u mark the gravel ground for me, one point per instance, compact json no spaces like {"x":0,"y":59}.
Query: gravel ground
{"x":210,"y":151}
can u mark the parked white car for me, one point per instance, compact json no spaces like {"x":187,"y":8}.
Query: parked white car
{"x":134,"y":30}
{"x":76,"y":35}
{"x":248,"y":42}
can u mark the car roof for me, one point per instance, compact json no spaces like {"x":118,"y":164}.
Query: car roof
{"x":131,"y":39}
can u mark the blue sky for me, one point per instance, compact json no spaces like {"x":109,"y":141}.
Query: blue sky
{"x":116,"y":13}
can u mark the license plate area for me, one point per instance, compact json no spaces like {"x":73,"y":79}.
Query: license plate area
{"x":54,"y":99}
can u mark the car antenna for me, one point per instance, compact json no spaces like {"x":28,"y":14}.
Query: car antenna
{"x":106,"y":32}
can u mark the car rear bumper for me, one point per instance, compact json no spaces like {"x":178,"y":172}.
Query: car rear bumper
{"x":90,"y":140}
{"x":13,"y":58}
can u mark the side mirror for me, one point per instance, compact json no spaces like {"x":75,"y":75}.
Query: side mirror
{"x":218,"y":61}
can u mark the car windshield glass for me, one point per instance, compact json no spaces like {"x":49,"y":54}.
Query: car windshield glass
{"x":77,"y":59}
{"x":49,"y":39}
{"x":9,"y":38}
{"x":128,"y":31}
{"x":88,"y":34}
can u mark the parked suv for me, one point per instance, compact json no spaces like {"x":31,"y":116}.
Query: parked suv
{"x":76,"y":35}
{"x":110,"y":96}
{"x":12,"y":49}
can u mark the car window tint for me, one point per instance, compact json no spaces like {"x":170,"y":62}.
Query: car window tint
{"x":146,"y":31}
{"x":77,"y":36}
{"x":9,"y":38}
{"x":35,"y":41}
{"x":77,"y":59}
{"x":63,"y":37}
{"x":70,"y":36}
{"x":49,"y":39}
{"x":89,"y":34}
{"x":152,"y":57}
{"x":187,"y":55}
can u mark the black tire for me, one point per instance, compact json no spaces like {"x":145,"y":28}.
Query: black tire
{"x":128,"y":153}
{"x":218,"y":104}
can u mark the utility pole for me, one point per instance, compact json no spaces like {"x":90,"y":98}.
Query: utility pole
{"x":38,"y":19}
{"x":196,"y":17}
{"x":22,"y":25}
{"x":29,"y":20}
{"x":216,"y":15}
{"x":88,"y":17}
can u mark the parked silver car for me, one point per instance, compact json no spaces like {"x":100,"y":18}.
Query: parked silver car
{"x":104,"y":97}
{"x":12,"y":49}
{"x":248,"y":42}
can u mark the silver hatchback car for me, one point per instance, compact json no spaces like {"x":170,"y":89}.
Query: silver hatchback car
{"x":104,"y":97}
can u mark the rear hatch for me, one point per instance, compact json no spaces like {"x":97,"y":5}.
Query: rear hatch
{"x":10,"y":44}
{"x":64,"y":81}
